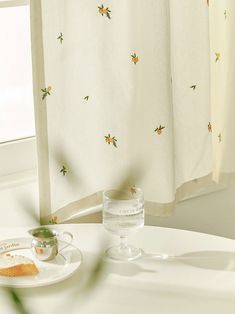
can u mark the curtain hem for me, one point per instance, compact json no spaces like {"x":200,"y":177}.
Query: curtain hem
{"x":89,"y":207}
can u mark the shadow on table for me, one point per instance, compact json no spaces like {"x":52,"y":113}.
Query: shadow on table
{"x":214,"y":260}
{"x":125,"y":269}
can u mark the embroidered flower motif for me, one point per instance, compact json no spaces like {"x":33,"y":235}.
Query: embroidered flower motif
{"x":46,"y":92}
{"x":220,"y":137}
{"x":225,"y":14}
{"x":217,"y":56}
{"x":159,"y":129}
{"x":133,"y":189}
{"x":53,"y":220}
{"x":209,"y":127}
{"x":104,"y":11}
{"x":60,"y":38}
{"x":86,"y":98}
{"x":111,"y":140}
{"x":63,"y":170}
{"x":134,"y":58}
{"x":193,"y":87}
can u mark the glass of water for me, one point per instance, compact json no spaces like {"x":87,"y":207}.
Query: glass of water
{"x":123,"y":214}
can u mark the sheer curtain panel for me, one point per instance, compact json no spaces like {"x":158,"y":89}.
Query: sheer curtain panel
{"x":134,"y":93}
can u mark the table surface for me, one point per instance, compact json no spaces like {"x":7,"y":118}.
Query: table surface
{"x":200,"y":278}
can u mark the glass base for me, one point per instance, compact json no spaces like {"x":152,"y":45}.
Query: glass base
{"x":123,"y":253}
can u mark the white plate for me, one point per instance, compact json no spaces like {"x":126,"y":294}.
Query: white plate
{"x":50,"y":272}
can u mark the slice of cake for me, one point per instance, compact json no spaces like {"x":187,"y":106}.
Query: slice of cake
{"x":16,"y":265}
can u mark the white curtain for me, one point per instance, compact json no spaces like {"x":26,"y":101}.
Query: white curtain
{"x":222,"y":43}
{"x":131,"y":92}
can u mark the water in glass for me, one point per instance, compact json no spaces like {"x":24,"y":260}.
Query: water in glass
{"x":123,"y":217}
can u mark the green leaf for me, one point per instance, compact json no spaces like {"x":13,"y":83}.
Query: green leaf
{"x":17,"y":302}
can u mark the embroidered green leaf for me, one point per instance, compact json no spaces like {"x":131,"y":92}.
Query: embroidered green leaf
{"x":220,"y":137}
{"x":104,"y":11}
{"x":60,"y":38}
{"x":53,"y":220}
{"x":63,"y":170}
{"x":217,"y":56}
{"x":225,"y":14}
{"x":159,"y":129}
{"x":111,"y":140}
{"x":86,"y":98}
{"x":193,"y":87}
{"x":209,"y":127}
{"x":114,"y":142}
{"x":46,"y":92}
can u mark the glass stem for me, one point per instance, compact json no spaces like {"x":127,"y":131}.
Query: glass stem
{"x":123,"y":244}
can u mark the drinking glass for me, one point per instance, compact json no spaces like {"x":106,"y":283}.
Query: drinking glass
{"x":123,"y":214}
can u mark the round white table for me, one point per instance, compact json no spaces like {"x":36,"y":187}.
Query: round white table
{"x":199,"y":279}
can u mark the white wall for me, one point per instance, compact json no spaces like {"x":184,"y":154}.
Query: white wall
{"x":213,"y":213}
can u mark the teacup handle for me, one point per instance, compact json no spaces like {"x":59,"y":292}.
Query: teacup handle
{"x":70,"y":239}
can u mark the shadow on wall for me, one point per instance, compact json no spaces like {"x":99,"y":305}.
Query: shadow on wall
{"x":212,"y":213}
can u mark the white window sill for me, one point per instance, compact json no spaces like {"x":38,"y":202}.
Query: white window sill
{"x":19,"y":201}
{"x":18,"y":179}
{"x":17,"y":157}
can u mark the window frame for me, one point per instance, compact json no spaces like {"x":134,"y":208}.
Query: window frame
{"x":13,"y":3}
{"x":18,"y":158}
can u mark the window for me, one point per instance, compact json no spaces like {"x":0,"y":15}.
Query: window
{"x":17,"y":130}
{"x":16,"y":99}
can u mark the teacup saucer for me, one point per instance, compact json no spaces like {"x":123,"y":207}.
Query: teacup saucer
{"x":50,"y":272}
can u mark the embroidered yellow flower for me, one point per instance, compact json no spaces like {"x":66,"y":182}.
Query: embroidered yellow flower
{"x":104,"y":11}
{"x":111,"y":140}
{"x":159,"y":129}
{"x":134,"y":58}
{"x":133,"y":189}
